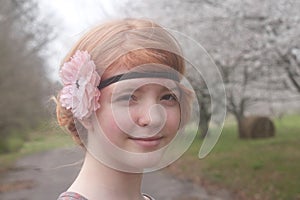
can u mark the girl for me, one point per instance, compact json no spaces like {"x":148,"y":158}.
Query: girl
{"x":122,"y":100}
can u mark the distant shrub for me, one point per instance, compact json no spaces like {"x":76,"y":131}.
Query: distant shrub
{"x":12,"y":143}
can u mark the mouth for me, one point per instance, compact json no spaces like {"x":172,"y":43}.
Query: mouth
{"x":147,"y":142}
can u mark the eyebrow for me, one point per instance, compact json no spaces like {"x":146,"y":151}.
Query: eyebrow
{"x":134,"y":89}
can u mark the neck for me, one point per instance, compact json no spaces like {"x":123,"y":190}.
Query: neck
{"x":97,"y":181}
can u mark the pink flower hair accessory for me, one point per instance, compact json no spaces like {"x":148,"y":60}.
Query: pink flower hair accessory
{"x":80,"y":80}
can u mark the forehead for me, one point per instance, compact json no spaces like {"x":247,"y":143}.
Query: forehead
{"x":142,"y":75}
{"x":144,"y":83}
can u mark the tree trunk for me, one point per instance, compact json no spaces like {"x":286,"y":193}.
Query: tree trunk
{"x":203,"y":128}
{"x":242,"y":133}
{"x":204,"y":120}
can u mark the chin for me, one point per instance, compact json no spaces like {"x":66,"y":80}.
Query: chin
{"x":138,"y":162}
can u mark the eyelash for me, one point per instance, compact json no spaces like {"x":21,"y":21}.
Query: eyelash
{"x":166,"y":97}
{"x":126,"y":97}
{"x":172,"y":96}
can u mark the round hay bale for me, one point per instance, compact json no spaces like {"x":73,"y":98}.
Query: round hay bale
{"x":258,"y":127}
{"x":262,"y":127}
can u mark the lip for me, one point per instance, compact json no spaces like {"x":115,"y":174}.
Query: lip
{"x":147,"y":142}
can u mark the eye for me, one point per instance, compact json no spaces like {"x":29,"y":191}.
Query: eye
{"x":126,"y":97}
{"x":169,"y":97}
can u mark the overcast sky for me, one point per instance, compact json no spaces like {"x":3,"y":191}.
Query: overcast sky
{"x":72,"y":18}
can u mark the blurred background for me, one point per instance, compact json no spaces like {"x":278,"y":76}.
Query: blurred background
{"x":254,"y":43}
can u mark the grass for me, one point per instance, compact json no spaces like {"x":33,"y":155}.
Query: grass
{"x":47,"y":136}
{"x":260,"y":169}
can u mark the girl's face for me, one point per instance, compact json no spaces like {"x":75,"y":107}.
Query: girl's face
{"x":140,"y":115}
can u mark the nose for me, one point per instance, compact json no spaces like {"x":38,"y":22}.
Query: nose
{"x":151,"y":115}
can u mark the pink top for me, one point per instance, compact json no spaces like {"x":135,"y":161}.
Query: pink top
{"x":76,"y":196}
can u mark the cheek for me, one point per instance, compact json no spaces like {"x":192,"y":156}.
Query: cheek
{"x":111,"y":125}
{"x":173,"y":120}
{"x":108,"y":124}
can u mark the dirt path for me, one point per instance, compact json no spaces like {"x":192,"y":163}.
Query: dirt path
{"x":43,"y":176}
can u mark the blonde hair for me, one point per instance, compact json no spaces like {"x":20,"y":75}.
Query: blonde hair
{"x":125,"y":43}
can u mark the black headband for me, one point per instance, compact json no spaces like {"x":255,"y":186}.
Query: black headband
{"x":133,"y":75}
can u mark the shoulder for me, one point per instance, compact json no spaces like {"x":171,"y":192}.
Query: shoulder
{"x":71,"y":196}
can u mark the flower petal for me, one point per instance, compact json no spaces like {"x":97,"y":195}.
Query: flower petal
{"x":66,"y":97}
{"x":80,"y":79}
